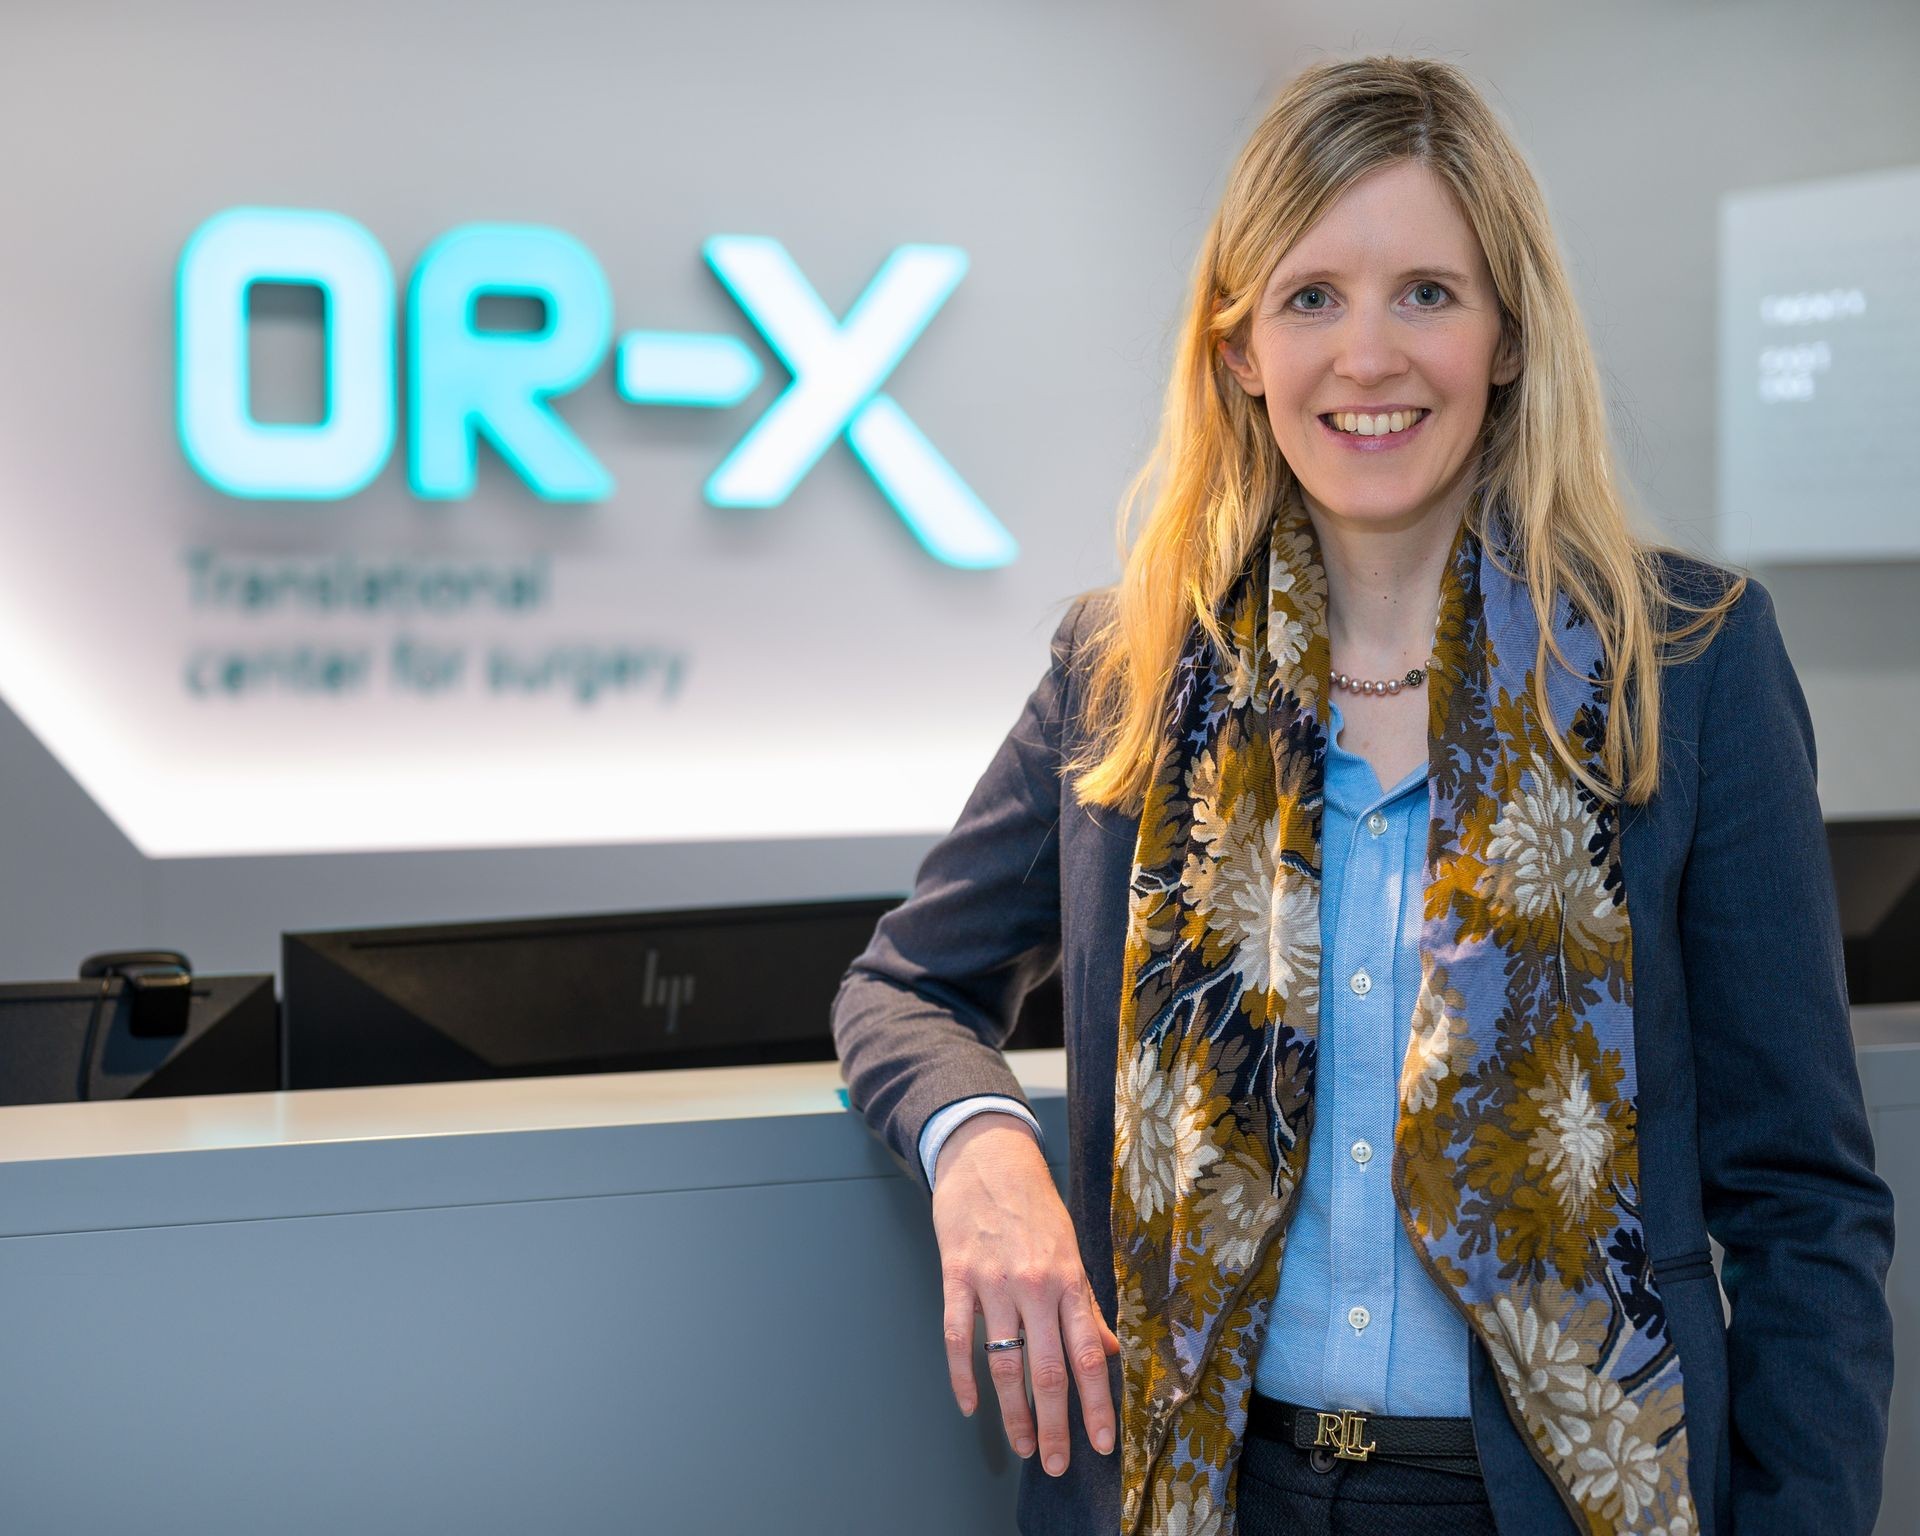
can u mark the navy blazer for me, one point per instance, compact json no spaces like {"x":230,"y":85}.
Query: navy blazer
{"x":1752,"y":1127}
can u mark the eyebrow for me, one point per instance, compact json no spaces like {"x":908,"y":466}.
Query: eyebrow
{"x":1301,"y":279}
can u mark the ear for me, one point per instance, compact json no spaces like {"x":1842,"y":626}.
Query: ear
{"x":1507,"y":357}
{"x":1242,"y":369}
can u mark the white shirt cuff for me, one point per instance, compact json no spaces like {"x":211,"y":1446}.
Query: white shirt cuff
{"x":943,"y":1122}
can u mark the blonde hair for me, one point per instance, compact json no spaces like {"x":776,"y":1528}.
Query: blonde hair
{"x":1216,"y":472}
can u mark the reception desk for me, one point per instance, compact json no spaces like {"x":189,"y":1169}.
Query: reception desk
{"x":696,"y":1301}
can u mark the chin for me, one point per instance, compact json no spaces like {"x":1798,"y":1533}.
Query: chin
{"x":1365,"y":505}
{"x":1372,"y":494}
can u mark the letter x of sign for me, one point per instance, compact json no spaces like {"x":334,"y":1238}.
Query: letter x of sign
{"x":838,"y":368}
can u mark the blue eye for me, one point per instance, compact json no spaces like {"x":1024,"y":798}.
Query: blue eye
{"x":1314,"y":309}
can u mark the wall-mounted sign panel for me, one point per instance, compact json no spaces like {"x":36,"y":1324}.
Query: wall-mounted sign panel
{"x":498,"y":463}
{"x":1819,"y":329}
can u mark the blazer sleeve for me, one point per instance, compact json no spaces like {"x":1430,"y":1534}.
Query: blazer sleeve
{"x":1786,"y":1157}
{"x":922,"y":1013}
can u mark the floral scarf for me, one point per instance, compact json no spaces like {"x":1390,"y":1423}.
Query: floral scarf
{"x":1515,"y":1168}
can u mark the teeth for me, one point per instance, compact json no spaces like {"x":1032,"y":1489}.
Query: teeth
{"x":1375,"y":426}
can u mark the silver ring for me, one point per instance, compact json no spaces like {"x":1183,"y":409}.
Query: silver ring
{"x":1014,"y":1343}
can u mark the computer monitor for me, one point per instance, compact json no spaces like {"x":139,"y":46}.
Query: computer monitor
{"x":1876,"y":875}
{"x":614,"y":992}
{"x":146,"y":1031}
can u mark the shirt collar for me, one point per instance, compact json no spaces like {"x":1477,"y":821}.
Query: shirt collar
{"x":1352,"y":788}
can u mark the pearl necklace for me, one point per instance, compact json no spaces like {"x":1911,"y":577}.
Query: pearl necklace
{"x":1415,"y":676}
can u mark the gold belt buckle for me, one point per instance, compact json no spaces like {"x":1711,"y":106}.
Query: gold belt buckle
{"x":1343,"y":1431}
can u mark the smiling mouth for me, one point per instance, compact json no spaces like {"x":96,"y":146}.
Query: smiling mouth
{"x":1386,"y":424}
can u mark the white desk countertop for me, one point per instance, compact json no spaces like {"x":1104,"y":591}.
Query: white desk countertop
{"x":124,"y":1127}
{"x":163,"y":1161}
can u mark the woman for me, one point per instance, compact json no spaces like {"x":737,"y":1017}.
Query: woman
{"x":1447,"y":939}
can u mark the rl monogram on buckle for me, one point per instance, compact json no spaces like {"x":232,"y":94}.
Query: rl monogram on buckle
{"x":1343,"y":1431}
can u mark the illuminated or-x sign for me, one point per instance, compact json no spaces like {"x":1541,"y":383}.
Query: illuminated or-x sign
{"x":464,"y":383}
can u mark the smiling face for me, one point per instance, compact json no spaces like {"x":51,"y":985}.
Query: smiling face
{"x":1386,"y":303}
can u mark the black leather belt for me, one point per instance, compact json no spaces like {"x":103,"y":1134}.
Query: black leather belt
{"x":1332,"y":1435}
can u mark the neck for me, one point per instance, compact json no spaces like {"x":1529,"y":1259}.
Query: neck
{"x":1383,"y":587}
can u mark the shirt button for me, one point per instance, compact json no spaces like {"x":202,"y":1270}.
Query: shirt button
{"x":1359,"y":1317}
{"x":1361,"y":1152}
{"x":1376,"y":823}
{"x":1362,"y":983}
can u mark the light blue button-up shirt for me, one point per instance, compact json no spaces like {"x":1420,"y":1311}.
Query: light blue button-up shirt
{"x":1358,"y":1322}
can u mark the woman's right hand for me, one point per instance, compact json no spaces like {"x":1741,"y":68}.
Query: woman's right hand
{"x":1008,"y":1253}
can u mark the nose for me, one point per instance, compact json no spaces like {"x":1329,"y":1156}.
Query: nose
{"x":1368,"y":348}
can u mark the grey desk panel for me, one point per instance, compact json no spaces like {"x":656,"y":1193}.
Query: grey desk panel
{"x":299,"y":1315}
{"x":712,"y":1361}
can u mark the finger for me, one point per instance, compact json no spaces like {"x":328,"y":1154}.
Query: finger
{"x":1008,"y":1368}
{"x":1087,"y":1353}
{"x":956,"y":1328}
{"x":1047,"y":1370}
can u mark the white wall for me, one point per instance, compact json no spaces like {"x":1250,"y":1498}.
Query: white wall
{"x":1636,"y":116}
